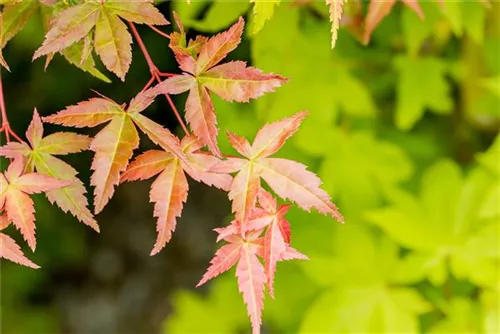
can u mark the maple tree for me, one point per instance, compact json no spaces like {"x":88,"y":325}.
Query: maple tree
{"x":259,"y":236}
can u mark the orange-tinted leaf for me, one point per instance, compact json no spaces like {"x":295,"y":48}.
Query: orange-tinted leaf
{"x":415,"y":6}
{"x":14,"y":149}
{"x":72,"y":25}
{"x":20,"y":209}
{"x":271,"y":137}
{"x":34,"y":133}
{"x":169,"y":192}
{"x":274,"y":247}
{"x":3,"y":62}
{"x":113,"y":147}
{"x":62,"y":143}
{"x":335,"y":8}
{"x":86,"y":114}
{"x":147,"y":165}
{"x":291,"y":180}
{"x":112,"y":44}
{"x":224,"y":259}
{"x":11,"y":251}
{"x":219,"y":46}
{"x":143,"y":12}
{"x":240,"y":144}
{"x":244,"y":190}
{"x":200,"y":115}
{"x":377,"y":10}
{"x":234,"y":81}
{"x":251,"y":280}
{"x":175,"y":85}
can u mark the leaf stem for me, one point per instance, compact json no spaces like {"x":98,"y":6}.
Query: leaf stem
{"x":5,"y":122}
{"x":158,"y":31}
{"x":155,"y":73}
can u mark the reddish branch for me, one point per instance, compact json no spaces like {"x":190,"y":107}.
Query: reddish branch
{"x":156,"y":74}
{"x":5,"y":122}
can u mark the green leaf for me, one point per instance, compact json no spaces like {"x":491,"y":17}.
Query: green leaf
{"x":220,"y":15}
{"x":414,"y":97}
{"x":73,"y":55}
{"x":262,"y":11}
{"x":378,"y":167}
{"x":442,"y":225}
{"x":223,"y":299}
{"x":14,"y":18}
{"x":113,"y":44}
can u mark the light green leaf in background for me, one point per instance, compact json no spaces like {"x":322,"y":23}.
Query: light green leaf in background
{"x":362,"y":296}
{"x":262,"y":11}
{"x":359,"y":168}
{"x":442,"y":225}
{"x":462,"y":316}
{"x":421,"y":85}
{"x":415,"y":30}
{"x":222,"y":311}
{"x":220,"y":14}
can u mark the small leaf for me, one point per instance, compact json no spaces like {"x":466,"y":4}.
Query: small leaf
{"x":335,"y":8}
{"x":262,"y":11}
{"x":72,"y":25}
{"x":113,"y":44}
{"x":10,"y":250}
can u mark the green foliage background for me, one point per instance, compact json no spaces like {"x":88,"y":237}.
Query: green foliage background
{"x":404,"y":134}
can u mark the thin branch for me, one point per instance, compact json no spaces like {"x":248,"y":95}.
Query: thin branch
{"x":156,"y":74}
{"x":5,"y":122}
{"x":150,"y":82}
{"x":158,"y":31}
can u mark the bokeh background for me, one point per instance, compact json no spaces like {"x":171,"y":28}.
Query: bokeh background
{"x":403,"y":132}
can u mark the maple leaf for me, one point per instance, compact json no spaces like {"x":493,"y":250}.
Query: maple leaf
{"x":112,"y":38}
{"x":289,"y":179}
{"x":114,"y":145}
{"x":249,"y":271}
{"x":170,"y":189}
{"x":40,"y":157}
{"x":378,"y":9}
{"x":10,"y":250}
{"x":335,"y":8}
{"x":233,"y":81}
{"x":15,"y":189}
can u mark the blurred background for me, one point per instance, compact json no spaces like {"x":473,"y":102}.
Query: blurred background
{"x":403,"y":132}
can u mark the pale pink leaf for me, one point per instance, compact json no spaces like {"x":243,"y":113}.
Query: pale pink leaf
{"x":274,"y":247}
{"x":234,"y":81}
{"x":198,"y":168}
{"x":11,"y":251}
{"x":292,"y":254}
{"x":113,"y":147}
{"x":20,"y":209}
{"x":175,"y":85}
{"x":34,"y":183}
{"x":244,"y":190}
{"x":71,"y":25}
{"x":219,"y":46}
{"x":291,"y":180}
{"x":251,"y":281}
{"x":169,"y":193}
{"x":142,"y":12}
{"x":86,"y":114}
{"x":240,"y":144}
{"x":14,"y":149}
{"x":224,"y":259}
{"x":271,"y":137}
{"x":200,"y":115}
{"x":230,"y":165}
{"x":147,"y":165}
{"x":61,"y":143}
{"x":34,"y":133}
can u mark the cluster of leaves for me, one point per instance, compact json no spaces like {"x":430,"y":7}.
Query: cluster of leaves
{"x":97,"y":25}
{"x":420,"y":253}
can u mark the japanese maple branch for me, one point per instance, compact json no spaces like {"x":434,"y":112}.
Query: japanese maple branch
{"x":156,"y":74}
{"x":5,"y":122}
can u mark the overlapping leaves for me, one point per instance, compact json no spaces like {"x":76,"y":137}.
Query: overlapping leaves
{"x":99,"y":25}
{"x":232,"y":81}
